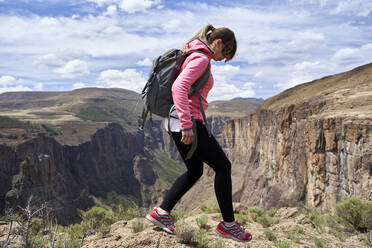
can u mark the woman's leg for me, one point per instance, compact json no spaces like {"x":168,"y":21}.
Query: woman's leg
{"x":211,"y":153}
{"x":187,"y":180}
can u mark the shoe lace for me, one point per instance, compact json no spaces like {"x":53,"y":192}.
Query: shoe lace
{"x":167,"y":220}
{"x":237,"y":230}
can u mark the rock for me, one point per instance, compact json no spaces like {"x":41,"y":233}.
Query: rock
{"x":240,"y":208}
{"x":286,"y":212}
{"x":303,"y":220}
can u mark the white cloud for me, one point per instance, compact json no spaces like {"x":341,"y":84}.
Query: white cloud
{"x":73,"y":68}
{"x":354,"y":7}
{"x":15,"y":88}
{"x":78,"y":85}
{"x":302,"y":72}
{"x":353,"y":56}
{"x":9,"y":83}
{"x":132,"y":6}
{"x":101,"y":3}
{"x":48,"y":60}
{"x":111,"y":10}
{"x":223,"y":88}
{"x":346,"y":54}
{"x":7,"y":80}
{"x":129,"y":79}
{"x":39,"y":86}
{"x":145,"y":62}
{"x":172,"y":25}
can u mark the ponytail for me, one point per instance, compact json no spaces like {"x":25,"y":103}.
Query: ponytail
{"x":208,"y":34}
{"x":202,"y":35}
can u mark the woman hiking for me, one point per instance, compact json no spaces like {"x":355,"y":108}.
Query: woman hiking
{"x":217,"y":44}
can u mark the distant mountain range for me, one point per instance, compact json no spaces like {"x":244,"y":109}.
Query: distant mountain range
{"x":260,"y":100}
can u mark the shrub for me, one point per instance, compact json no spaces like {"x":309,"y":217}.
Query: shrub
{"x":242,"y":218}
{"x":356,"y":212}
{"x":272,"y":212}
{"x":210,"y":209}
{"x":299,"y":230}
{"x":201,"y":238}
{"x":319,"y":244}
{"x":176,"y":215}
{"x":185,"y":234}
{"x":76,"y":231}
{"x":36,"y":225}
{"x":138,"y":226}
{"x":337,"y":234}
{"x":293,"y":235}
{"x":202,"y":221}
{"x":255,"y":212}
{"x":318,"y":221}
{"x":104,"y":230}
{"x":37,"y":241}
{"x":283,"y":244}
{"x":270,"y":235}
{"x":126,"y":214}
{"x":218,"y":244}
{"x":267,"y":221}
{"x":97,"y":217}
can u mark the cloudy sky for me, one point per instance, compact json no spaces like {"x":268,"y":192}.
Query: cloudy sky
{"x":59,"y":45}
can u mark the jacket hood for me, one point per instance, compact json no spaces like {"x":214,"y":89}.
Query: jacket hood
{"x":201,"y":46}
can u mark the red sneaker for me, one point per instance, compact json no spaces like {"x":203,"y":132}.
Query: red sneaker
{"x":164,"y":221}
{"x":234,"y":232}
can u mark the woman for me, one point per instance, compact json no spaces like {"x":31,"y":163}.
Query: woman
{"x":217,"y":44}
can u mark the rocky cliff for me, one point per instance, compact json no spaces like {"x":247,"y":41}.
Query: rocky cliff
{"x":72,"y":177}
{"x":310,"y":145}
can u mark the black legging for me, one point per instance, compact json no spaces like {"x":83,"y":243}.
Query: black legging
{"x":210,"y":152}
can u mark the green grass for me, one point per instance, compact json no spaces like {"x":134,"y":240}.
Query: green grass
{"x":210,"y":209}
{"x":7,"y":122}
{"x":242,"y":218}
{"x":270,"y":235}
{"x":107,"y":111}
{"x":283,"y":244}
{"x":202,"y":222}
{"x":95,"y":113}
{"x":50,"y":131}
{"x":166,"y":168}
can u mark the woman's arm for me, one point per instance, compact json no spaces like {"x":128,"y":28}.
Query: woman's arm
{"x":196,"y":65}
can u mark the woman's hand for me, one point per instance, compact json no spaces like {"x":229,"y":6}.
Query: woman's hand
{"x":187,"y":136}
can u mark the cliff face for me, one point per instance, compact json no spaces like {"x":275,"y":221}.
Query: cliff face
{"x":70,"y":176}
{"x":315,"y":152}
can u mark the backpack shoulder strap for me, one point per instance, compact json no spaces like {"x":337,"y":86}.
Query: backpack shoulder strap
{"x":200,"y":82}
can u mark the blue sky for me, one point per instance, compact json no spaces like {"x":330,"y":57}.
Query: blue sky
{"x":63,"y":45}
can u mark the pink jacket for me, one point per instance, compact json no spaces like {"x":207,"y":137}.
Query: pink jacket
{"x":193,"y":67}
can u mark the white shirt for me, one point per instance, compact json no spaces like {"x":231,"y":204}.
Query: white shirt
{"x":175,"y":125}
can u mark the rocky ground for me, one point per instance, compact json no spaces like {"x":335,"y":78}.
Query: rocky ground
{"x":294,"y":229}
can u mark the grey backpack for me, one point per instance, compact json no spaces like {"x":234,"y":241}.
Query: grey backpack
{"x":157,"y":93}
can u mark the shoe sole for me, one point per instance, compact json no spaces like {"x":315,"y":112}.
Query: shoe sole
{"x":232,"y":237}
{"x":159,"y":224}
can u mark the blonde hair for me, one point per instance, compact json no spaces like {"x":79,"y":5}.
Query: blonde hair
{"x":209,"y":33}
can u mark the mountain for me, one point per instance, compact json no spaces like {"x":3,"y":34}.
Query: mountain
{"x":83,"y":147}
{"x":309,"y":145}
{"x":260,"y":100}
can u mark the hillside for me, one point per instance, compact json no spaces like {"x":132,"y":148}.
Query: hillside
{"x":345,"y":95}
